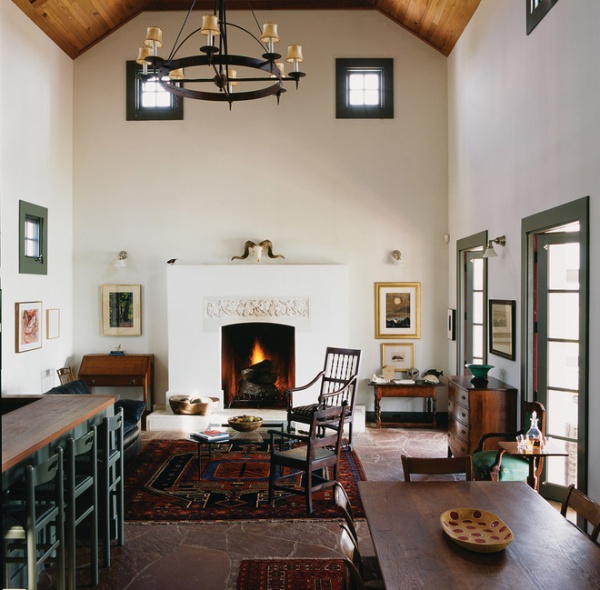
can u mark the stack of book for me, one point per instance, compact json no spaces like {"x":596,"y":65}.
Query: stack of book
{"x":210,"y":436}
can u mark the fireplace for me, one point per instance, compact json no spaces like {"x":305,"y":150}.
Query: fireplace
{"x":204,"y":300}
{"x":257,"y":364}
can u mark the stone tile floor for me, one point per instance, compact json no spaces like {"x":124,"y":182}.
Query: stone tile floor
{"x":206,"y":556}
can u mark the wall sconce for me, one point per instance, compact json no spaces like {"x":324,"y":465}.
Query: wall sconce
{"x":396,"y":257}
{"x":121,"y":260}
{"x":489,"y":252}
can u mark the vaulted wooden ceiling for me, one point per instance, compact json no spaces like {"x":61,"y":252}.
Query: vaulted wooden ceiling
{"x":77,"y":25}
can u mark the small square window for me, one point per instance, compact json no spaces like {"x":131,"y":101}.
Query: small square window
{"x":33,"y":239}
{"x":147,"y":100}
{"x":364,"y":88}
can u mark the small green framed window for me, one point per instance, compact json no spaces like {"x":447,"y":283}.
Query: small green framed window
{"x":33,"y":239}
{"x":364,"y":88}
{"x":148,"y":100}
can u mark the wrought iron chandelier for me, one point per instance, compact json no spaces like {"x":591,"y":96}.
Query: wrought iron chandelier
{"x":266,"y":74}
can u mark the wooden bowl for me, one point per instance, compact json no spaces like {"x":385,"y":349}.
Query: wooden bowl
{"x":193,"y":406}
{"x":245,"y":426}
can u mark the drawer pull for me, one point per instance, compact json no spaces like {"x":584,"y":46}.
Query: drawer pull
{"x":463,"y":414}
{"x":132,"y":382}
{"x":92,"y":381}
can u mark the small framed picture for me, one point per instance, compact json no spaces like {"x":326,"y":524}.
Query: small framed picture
{"x":52,"y":323}
{"x":28,"y":322}
{"x":121,"y":310}
{"x":401,"y":356}
{"x":397,"y":310}
{"x":451,"y":324}
{"x":502,"y":328}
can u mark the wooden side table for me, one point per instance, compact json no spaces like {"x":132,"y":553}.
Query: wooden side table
{"x":424,"y":390}
{"x":128,"y":370}
{"x":532,"y":458}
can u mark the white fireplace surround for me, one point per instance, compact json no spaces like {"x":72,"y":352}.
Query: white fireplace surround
{"x":201,"y":299}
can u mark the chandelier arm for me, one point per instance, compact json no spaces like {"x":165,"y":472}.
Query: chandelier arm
{"x":262,"y":46}
{"x":175,"y":48}
{"x":253,"y":15}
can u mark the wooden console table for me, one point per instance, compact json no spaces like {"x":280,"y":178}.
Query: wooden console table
{"x":128,"y":370}
{"x":425,"y":390}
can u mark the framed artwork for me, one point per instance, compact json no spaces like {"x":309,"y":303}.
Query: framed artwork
{"x":52,"y":323}
{"x":401,"y":356}
{"x":451,"y":324}
{"x":121,"y":310}
{"x":28,"y":322}
{"x":502,"y":328}
{"x":397,"y":310}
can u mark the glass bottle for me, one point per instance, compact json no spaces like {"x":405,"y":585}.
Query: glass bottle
{"x":533,"y":435}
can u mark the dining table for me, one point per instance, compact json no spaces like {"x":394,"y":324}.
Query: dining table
{"x":414,"y":551}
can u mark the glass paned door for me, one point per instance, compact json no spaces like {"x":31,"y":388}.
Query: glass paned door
{"x":557,"y":352}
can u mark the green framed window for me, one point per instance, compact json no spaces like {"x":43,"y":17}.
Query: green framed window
{"x":33,"y":239}
{"x":364,"y":88}
{"x":148,"y":100}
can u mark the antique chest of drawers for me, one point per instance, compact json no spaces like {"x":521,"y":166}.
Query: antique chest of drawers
{"x":474,"y":410}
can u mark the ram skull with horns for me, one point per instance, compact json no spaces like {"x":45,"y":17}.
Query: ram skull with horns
{"x":258,"y":249}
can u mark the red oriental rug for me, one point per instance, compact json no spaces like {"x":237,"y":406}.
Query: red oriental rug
{"x":162,"y":484}
{"x":291,"y":574}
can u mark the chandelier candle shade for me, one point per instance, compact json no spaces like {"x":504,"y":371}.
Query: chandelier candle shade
{"x":223,"y":77}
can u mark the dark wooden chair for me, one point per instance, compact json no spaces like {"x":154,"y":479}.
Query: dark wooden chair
{"x":348,"y":547}
{"x":306,"y":454}
{"x":492,"y":463}
{"x":65,"y":375}
{"x":585,"y":507}
{"x":338,"y":383}
{"x":437,"y":466}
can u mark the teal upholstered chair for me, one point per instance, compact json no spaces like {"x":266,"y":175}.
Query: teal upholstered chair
{"x":491,"y":463}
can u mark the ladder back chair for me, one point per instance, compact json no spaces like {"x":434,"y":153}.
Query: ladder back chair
{"x":437,"y":466}
{"x":307,"y":454}
{"x":585,"y":507}
{"x":337,"y":384}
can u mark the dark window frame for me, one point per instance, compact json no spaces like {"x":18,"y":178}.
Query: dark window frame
{"x":135,"y":112}
{"x":36,"y":265}
{"x":344,"y":67}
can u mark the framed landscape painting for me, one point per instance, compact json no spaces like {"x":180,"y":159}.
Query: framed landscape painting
{"x":121,"y":310}
{"x":397,"y":310}
{"x":28,"y":323}
{"x":502,"y":328}
{"x":401,"y":356}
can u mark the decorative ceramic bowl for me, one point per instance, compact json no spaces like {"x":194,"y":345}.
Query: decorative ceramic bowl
{"x":476,"y":530}
{"x":244,"y":424}
{"x":479,"y":371}
{"x":190,"y":405}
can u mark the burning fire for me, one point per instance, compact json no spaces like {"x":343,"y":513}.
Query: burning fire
{"x":258,"y":354}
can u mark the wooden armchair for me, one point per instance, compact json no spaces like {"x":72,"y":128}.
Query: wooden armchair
{"x":585,"y":507}
{"x":492,"y":463}
{"x":437,"y":466}
{"x":307,"y":454}
{"x":338,"y":384}
{"x":65,"y":375}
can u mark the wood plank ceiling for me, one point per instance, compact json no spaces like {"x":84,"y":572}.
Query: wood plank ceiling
{"x":77,"y":25}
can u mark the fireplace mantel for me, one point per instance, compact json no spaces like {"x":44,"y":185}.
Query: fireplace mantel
{"x":203,"y":298}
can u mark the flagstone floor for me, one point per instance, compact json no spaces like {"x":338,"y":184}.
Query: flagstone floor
{"x":206,"y":556}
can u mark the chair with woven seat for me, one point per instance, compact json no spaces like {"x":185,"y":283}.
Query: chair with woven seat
{"x":81,"y":499}
{"x":338,"y":383}
{"x":437,"y":466}
{"x":111,"y":478}
{"x":33,"y":523}
{"x":304,"y":455}
{"x":492,"y":463}
{"x":585,"y":507}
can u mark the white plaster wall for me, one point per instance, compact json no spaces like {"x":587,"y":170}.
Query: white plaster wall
{"x":325,"y":191}
{"x":36,"y":165}
{"x":524,"y":123}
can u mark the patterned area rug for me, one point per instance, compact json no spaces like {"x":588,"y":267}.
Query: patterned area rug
{"x":162,"y":484}
{"x":291,"y":574}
